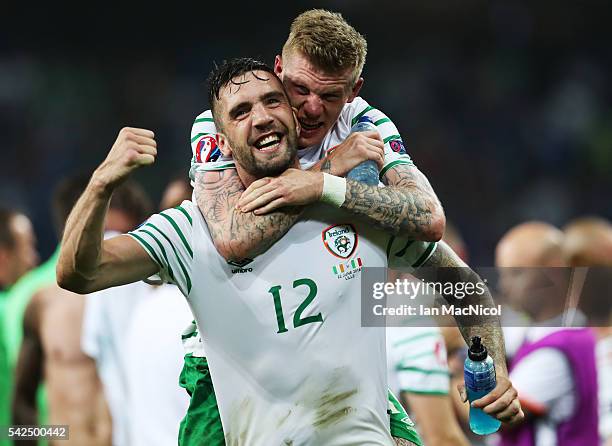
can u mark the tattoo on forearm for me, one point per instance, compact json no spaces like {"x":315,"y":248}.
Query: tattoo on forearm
{"x":405,"y":207}
{"x":453,"y":269}
{"x":326,"y":166}
{"x":236,"y":234}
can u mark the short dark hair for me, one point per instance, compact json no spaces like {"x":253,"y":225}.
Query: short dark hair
{"x":7,"y":237}
{"x":65,"y":196}
{"x":129,"y":198}
{"x":222,"y":74}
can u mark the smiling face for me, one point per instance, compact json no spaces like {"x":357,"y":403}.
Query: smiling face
{"x":258,"y":124}
{"x":317,"y":95}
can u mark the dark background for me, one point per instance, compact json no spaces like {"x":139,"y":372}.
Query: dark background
{"x":505,"y":105}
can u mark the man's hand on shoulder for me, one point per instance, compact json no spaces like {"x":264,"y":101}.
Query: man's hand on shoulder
{"x":294,"y":187}
{"x":133,"y":148}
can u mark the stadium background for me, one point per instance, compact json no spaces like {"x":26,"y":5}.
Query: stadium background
{"x":505,"y":105}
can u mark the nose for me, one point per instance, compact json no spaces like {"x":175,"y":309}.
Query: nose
{"x":313,"y":107}
{"x":261,"y":117}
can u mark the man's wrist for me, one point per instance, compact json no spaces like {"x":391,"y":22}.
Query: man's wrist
{"x":334,"y":190}
{"x":100,"y":186}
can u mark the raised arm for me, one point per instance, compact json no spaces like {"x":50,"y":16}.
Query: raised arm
{"x":87,"y":263}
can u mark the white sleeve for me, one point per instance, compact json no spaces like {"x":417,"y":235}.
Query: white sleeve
{"x":420,"y":360}
{"x":410,"y":254}
{"x":205,"y":153}
{"x":92,"y":328}
{"x":395,"y":151}
{"x":168,"y":239}
{"x":545,"y":377}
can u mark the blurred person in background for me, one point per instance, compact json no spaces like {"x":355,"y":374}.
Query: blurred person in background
{"x":51,"y":353}
{"x":588,"y":242}
{"x":108,"y":314}
{"x":554,"y":369}
{"x":154,"y":353}
{"x":17,"y":256}
{"x":418,"y":373}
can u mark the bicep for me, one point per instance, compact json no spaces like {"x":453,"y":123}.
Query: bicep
{"x":123,"y":260}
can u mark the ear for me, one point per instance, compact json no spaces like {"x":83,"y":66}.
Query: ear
{"x":356,"y":89}
{"x":224,"y":145}
{"x":278,"y":65}
{"x":298,"y":128}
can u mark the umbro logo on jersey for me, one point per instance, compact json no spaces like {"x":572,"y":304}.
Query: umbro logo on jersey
{"x":240,"y":263}
{"x":241,"y":266}
{"x":340,"y":240}
{"x":242,"y":270}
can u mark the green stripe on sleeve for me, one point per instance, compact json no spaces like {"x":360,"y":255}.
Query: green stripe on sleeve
{"x":382,"y":121}
{"x":365,"y":110}
{"x":416,"y":338}
{"x":199,"y":135}
{"x":163,"y":251}
{"x":179,"y":232}
{"x":425,"y":255}
{"x":391,"y":138}
{"x":148,"y":248}
{"x":203,"y":120}
{"x":424,"y":354}
{"x":424,"y":371}
{"x":178,"y":259}
{"x":425,"y":392}
{"x":182,"y":209}
{"x":389,"y":244}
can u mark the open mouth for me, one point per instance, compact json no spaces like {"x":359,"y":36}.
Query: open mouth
{"x":268,"y":143}
{"x":310,"y":127}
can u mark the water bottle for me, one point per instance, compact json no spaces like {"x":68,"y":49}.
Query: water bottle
{"x":479,"y":372}
{"x":367,"y":171}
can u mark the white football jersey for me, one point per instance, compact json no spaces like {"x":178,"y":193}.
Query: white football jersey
{"x":289,"y":359}
{"x":416,"y":361}
{"x":207,"y":156}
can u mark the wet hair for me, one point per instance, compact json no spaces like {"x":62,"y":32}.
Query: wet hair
{"x":222,"y":74}
{"x":328,"y":41}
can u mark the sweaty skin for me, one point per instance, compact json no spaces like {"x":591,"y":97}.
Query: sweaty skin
{"x":52,"y":352}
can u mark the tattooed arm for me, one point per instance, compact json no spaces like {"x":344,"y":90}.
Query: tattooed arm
{"x":405,"y":207}
{"x":395,"y":209}
{"x":237,"y":235}
{"x":453,"y":269}
{"x":425,"y":219}
{"x":409,"y":207}
{"x":502,"y":402}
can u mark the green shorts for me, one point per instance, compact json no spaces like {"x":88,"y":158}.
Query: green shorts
{"x":202,"y":423}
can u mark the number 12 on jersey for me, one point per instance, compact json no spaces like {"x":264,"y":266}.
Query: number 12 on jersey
{"x":298,"y":320}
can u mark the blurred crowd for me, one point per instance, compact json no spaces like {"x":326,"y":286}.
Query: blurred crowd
{"x":504,"y":105}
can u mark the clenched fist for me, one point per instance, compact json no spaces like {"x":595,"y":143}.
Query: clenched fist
{"x":133,"y":148}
